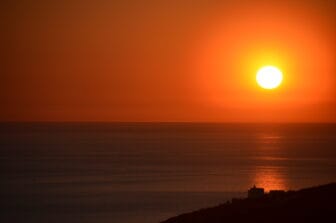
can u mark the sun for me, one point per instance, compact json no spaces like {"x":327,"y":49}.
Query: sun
{"x":269,"y":77}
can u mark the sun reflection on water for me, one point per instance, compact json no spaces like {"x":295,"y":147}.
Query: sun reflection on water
{"x":268,"y":173}
{"x":270,"y":178}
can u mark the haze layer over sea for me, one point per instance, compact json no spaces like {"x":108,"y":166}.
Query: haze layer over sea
{"x":147,"y":172}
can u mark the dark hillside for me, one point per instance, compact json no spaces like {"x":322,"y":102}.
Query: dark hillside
{"x":317,"y":204}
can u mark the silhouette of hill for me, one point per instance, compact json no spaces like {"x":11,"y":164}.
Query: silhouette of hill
{"x":316,"y":204}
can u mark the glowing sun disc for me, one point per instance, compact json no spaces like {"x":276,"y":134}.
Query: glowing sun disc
{"x":269,"y":77}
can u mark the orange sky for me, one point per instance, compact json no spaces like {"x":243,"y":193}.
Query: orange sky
{"x":167,"y":61}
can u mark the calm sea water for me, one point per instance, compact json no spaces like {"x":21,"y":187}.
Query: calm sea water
{"x":145,"y":172}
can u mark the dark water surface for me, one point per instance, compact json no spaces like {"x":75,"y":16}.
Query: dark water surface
{"x":145,"y":172}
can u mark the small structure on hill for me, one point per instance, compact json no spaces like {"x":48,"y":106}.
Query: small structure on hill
{"x":255,"y":192}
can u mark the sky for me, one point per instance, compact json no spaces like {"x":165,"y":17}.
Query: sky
{"x":166,"y":61}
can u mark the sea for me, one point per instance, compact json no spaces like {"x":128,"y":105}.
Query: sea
{"x":148,"y":172}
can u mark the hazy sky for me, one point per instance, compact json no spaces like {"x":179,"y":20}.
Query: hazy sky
{"x":166,"y":60}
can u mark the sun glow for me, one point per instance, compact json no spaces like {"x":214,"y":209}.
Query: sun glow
{"x":269,"y":77}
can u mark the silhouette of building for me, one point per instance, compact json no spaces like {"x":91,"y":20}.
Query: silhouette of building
{"x":255,"y":192}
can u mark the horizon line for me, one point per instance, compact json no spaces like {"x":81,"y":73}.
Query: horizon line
{"x":172,"y":122}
